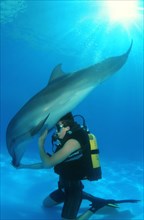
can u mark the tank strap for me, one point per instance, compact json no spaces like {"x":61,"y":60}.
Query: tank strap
{"x":95,"y":151}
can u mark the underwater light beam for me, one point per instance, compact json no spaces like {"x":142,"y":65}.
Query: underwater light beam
{"x":123,"y":12}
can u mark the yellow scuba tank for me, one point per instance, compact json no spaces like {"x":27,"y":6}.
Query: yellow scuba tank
{"x":91,"y":154}
{"x":94,"y":151}
{"x":94,"y":163}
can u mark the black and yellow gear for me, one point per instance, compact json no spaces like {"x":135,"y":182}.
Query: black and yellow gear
{"x":94,"y":168}
{"x":83,"y":163}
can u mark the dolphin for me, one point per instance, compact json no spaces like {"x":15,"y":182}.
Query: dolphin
{"x":60,"y":96}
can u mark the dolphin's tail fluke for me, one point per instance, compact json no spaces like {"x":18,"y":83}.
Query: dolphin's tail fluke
{"x":130,"y":47}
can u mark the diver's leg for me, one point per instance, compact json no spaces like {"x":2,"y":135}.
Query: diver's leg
{"x":49,"y":202}
{"x":87,"y":196}
{"x":55,"y":197}
{"x":73,"y":199}
{"x":86,"y":215}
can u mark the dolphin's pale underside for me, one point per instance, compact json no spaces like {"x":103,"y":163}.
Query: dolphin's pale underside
{"x":62,"y":94}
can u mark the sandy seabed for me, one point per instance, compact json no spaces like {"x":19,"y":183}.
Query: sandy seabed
{"x":22,"y":192}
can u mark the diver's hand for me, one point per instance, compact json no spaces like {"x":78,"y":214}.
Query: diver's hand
{"x":43,"y":135}
{"x":20,"y":166}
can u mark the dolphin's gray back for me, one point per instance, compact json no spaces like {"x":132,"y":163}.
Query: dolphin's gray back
{"x":103,"y":70}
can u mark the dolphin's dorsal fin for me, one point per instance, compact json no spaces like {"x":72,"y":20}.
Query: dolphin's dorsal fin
{"x":36,"y":129}
{"x":56,"y":73}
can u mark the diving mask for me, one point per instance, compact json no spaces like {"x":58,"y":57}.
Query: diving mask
{"x":59,"y":127}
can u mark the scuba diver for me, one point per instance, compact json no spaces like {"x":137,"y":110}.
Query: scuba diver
{"x":75,"y":158}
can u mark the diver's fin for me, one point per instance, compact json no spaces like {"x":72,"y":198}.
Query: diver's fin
{"x":100,"y":203}
{"x":126,"y":201}
{"x":115,"y":202}
{"x":113,"y":205}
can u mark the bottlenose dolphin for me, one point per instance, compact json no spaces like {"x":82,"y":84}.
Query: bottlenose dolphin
{"x":62,"y":94}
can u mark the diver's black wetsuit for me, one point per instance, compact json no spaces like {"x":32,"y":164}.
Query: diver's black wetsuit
{"x":71,"y":172}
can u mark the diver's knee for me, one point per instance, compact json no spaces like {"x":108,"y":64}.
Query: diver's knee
{"x":48,"y":202}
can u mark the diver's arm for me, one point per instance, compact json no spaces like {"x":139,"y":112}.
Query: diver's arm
{"x":47,"y":162}
{"x":34,"y":166}
{"x":43,"y":155}
{"x":42,"y":152}
{"x":39,"y":165}
{"x":69,"y":147}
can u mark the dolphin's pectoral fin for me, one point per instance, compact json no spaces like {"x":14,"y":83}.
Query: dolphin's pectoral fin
{"x":56,"y":73}
{"x":37,"y":128}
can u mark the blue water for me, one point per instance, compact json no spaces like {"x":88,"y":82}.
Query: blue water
{"x":35,"y":37}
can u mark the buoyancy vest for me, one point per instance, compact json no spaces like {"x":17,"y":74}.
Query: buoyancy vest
{"x":74,"y":167}
{"x":82,"y":163}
